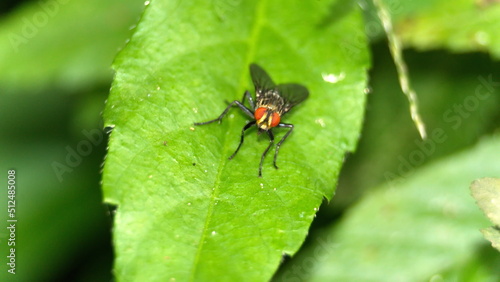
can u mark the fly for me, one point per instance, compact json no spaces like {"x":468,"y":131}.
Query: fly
{"x":271,"y":103}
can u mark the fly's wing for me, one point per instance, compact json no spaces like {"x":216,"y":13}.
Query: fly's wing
{"x":260,"y":79}
{"x":293,"y":94}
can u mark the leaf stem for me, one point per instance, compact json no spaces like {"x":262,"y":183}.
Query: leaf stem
{"x":402,"y":69}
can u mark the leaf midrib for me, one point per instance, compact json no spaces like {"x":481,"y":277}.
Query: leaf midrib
{"x":254,"y":35}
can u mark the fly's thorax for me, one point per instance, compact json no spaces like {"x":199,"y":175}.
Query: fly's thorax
{"x":271,"y":100}
{"x":266,"y":118}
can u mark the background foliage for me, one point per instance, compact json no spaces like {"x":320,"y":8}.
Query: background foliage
{"x":53,"y":86}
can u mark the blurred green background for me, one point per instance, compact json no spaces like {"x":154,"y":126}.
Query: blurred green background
{"x":55,"y":59}
{"x":55,"y":75}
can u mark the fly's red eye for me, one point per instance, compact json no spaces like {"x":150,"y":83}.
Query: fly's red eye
{"x":276,"y":120}
{"x":259,"y":113}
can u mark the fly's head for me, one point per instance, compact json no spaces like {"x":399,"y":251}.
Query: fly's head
{"x":266,"y":118}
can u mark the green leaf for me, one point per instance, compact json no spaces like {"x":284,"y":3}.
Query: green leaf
{"x":492,"y":234}
{"x":185,"y":210}
{"x":425,"y":226}
{"x":460,"y":26}
{"x":445,"y":92}
{"x":486,"y":191}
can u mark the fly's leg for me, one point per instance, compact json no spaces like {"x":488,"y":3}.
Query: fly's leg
{"x":271,"y":142}
{"x":287,"y":125}
{"x":235,"y":102}
{"x":249,"y":99}
{"x":247,"y":126}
